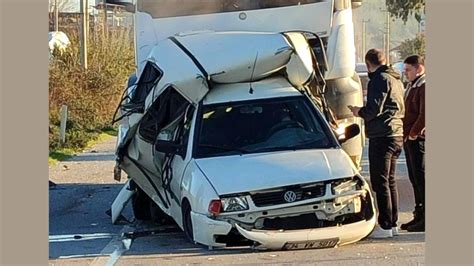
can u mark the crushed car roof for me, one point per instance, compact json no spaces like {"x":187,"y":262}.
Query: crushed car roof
{"x":267,"y":88}
{"x":194,"y":63}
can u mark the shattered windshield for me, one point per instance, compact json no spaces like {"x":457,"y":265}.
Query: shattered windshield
{"x":260,"y":126}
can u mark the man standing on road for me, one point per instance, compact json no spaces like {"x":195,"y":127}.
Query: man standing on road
{"x":382,"y":116}
{"x":414,"y":137}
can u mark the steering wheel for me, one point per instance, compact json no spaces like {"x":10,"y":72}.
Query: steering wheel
{"x":284,"y":125}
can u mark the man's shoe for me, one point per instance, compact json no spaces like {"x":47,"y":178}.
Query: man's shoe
{"x":412,"y":222}
{"x":395,"y":231}
{"x":417,"y":227}
{"x":379,"y":232}
{"x":418,"y":214}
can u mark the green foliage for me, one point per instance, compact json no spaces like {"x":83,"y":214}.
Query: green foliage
{"x":92,"y":94}
{"x":413,"y":46}
{"x":111,"y":131}
{"x":62,"y":154}
{"x":406,"y":8}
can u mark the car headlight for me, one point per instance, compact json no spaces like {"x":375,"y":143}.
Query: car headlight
{"x":233,"y":204}
{"x":349,"y":185}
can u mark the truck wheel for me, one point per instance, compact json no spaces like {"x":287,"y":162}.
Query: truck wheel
{"x":141,"y":205}
{"x":187,"y":222}
{"x":157,"y":215}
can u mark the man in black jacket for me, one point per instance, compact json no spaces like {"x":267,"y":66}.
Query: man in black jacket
{"x":382,"y":116}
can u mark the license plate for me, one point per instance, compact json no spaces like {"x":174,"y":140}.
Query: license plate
{"x":325,"y":243}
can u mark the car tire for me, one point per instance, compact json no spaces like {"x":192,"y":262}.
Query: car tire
{"x":141,"y":205}
{"x":187,"y":222}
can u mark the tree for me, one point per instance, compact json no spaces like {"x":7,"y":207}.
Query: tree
{"x":413,"y":46}
{"x":405,"y":8}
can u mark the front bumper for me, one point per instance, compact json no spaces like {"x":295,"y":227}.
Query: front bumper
{"x":276,"y":239}
{"x":205,"y":229}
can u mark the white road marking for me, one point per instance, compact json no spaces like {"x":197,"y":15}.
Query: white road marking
{"x":126,"y":243}
{"x":79,"y":237}
{"x":114,"y":249}
{"x":78,"y":256}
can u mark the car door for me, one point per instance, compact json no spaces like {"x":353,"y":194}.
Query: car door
{"x":142,"y":162}
{"x":174,"y":165}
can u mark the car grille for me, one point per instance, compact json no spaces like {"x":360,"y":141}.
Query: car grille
{"x":277,"y":196}
{"x":303,"y":221}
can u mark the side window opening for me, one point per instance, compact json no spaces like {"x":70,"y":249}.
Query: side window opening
{"x":149,"y":78}
{"x":182,"y":134}
{"x":163,"y":113}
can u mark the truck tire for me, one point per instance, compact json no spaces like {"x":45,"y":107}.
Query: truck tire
{"x":157,"y":215}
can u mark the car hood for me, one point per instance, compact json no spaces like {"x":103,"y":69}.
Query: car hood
{"x":250,"y":172}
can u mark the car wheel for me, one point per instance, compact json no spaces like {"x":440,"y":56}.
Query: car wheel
{"x":187,"y":222}
{"x":141,"y":205}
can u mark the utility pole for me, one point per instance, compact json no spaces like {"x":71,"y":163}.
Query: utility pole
{"x":388,"y":37}
{"x":105,"y":18}
{"x":84,"y":30}
{"x":56,"y":16}
{"x":364,"y":34}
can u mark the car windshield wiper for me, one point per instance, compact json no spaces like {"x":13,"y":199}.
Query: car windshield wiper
{"x":293,"y":147}
{"x":273,"y":148}
{"x":224,"y":148}
{"x":302,"y":145}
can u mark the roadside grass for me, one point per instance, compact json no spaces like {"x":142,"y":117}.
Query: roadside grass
{"x":63,"y":154}
{"x":110,"y":131}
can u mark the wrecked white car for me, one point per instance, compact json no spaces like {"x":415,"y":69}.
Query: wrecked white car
{"x":232,"y":145}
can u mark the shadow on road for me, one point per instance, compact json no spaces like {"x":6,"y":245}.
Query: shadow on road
{"x":78,"y":223}
{"x":91,"y":157}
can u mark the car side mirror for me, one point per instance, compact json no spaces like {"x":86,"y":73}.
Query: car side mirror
{"x":349,"y":132}
{"x":168,"y":147}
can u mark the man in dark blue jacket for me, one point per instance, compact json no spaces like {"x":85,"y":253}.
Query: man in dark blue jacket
{"x":383,"y":114}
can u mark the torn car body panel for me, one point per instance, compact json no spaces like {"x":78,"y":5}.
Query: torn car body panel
{"x":121,"y":201}
{"x":300,"y":67}
{"x":179,"y":70}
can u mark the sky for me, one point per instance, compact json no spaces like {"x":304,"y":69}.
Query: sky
{"x":71,"y":6}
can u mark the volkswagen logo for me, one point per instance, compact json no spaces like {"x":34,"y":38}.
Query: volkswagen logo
{"x":289,"y":196}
